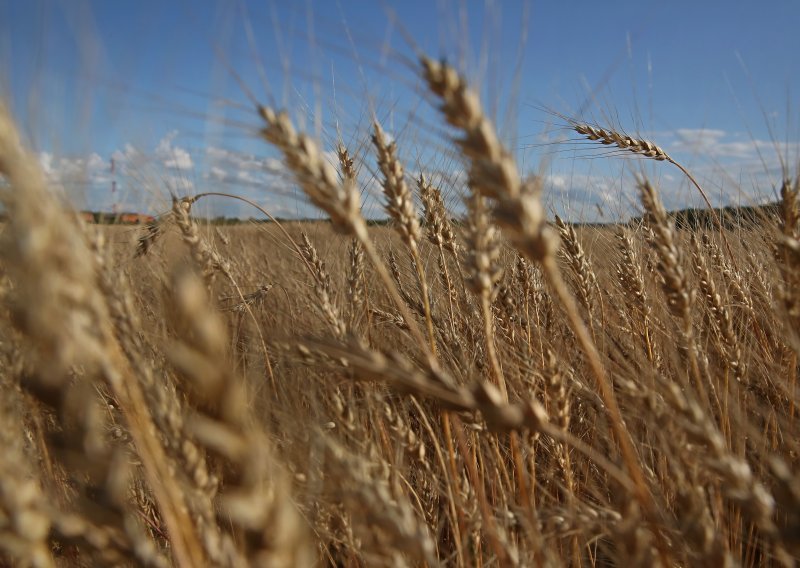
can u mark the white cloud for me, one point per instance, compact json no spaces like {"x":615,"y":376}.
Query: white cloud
{"x":126,"y":156}
{"x":180,"y":160}
{"x":66,"y":171}
{"x":46,"y":163}
{"x":217,"y":173}
{"x":556,"y":181}
{"x":232,"y":160}
{"x":274,"y":165}
{"x":246,"y":177}
{"x":700,"y":136}
{"x":95,"y":162}
{"x":720,"y":144}
{"x":173,"y":157}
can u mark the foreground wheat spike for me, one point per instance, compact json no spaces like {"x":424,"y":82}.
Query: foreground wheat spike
{"x":399,"y":202}
{"x":169,"y":413}
{"x":484,"y":397}
{"x":440,"y":233}
{"x":493,"y":173}
{"x":66,"y":317}
{"x":369,"y":364}
{"x":492,"y":169}
{"x":322,"y":288}
{"x":789,"y":260}
{"x":356,"y":283}
{"x":675,"y":283}
{"x":400,"y":206}
{"x":483,"y":274}
{"x":629,"y":274}
{"x":314,"y":173}
{"x":209,"y":261}
{"x":25,"y":517}
{"x":740,"y":485}
{"x":356,"y":279}
{"x":255,"y":497}
{"x":725,"y":335}
{"x":439,"y":229}
{"x":680,"y":295}
{"x":340,"y":200}
{"x":579,"y":264}
{"x":735,"y":282}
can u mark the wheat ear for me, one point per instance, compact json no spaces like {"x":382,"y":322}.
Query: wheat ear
{"x":482,"y":255}
{"x":629,"y":274}
{"x":585,"y":277}
{"x":400,"y":206}
{"x":648,"y":149}
{"x":340,"y":200}
{"x":493,"y":173}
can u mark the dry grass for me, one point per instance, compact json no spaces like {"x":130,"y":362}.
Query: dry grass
{"x":353,"y":396}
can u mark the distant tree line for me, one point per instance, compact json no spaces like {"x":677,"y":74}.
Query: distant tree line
{"x":743,"y":217}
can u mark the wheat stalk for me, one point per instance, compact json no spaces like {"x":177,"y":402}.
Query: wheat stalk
{"x":493,"y":173}
{"x":341,"y":201}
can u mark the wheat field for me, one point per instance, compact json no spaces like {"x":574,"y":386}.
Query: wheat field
{"x":497,"y":388}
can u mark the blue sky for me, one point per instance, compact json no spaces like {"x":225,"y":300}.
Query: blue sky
{"x":164,"y":88}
